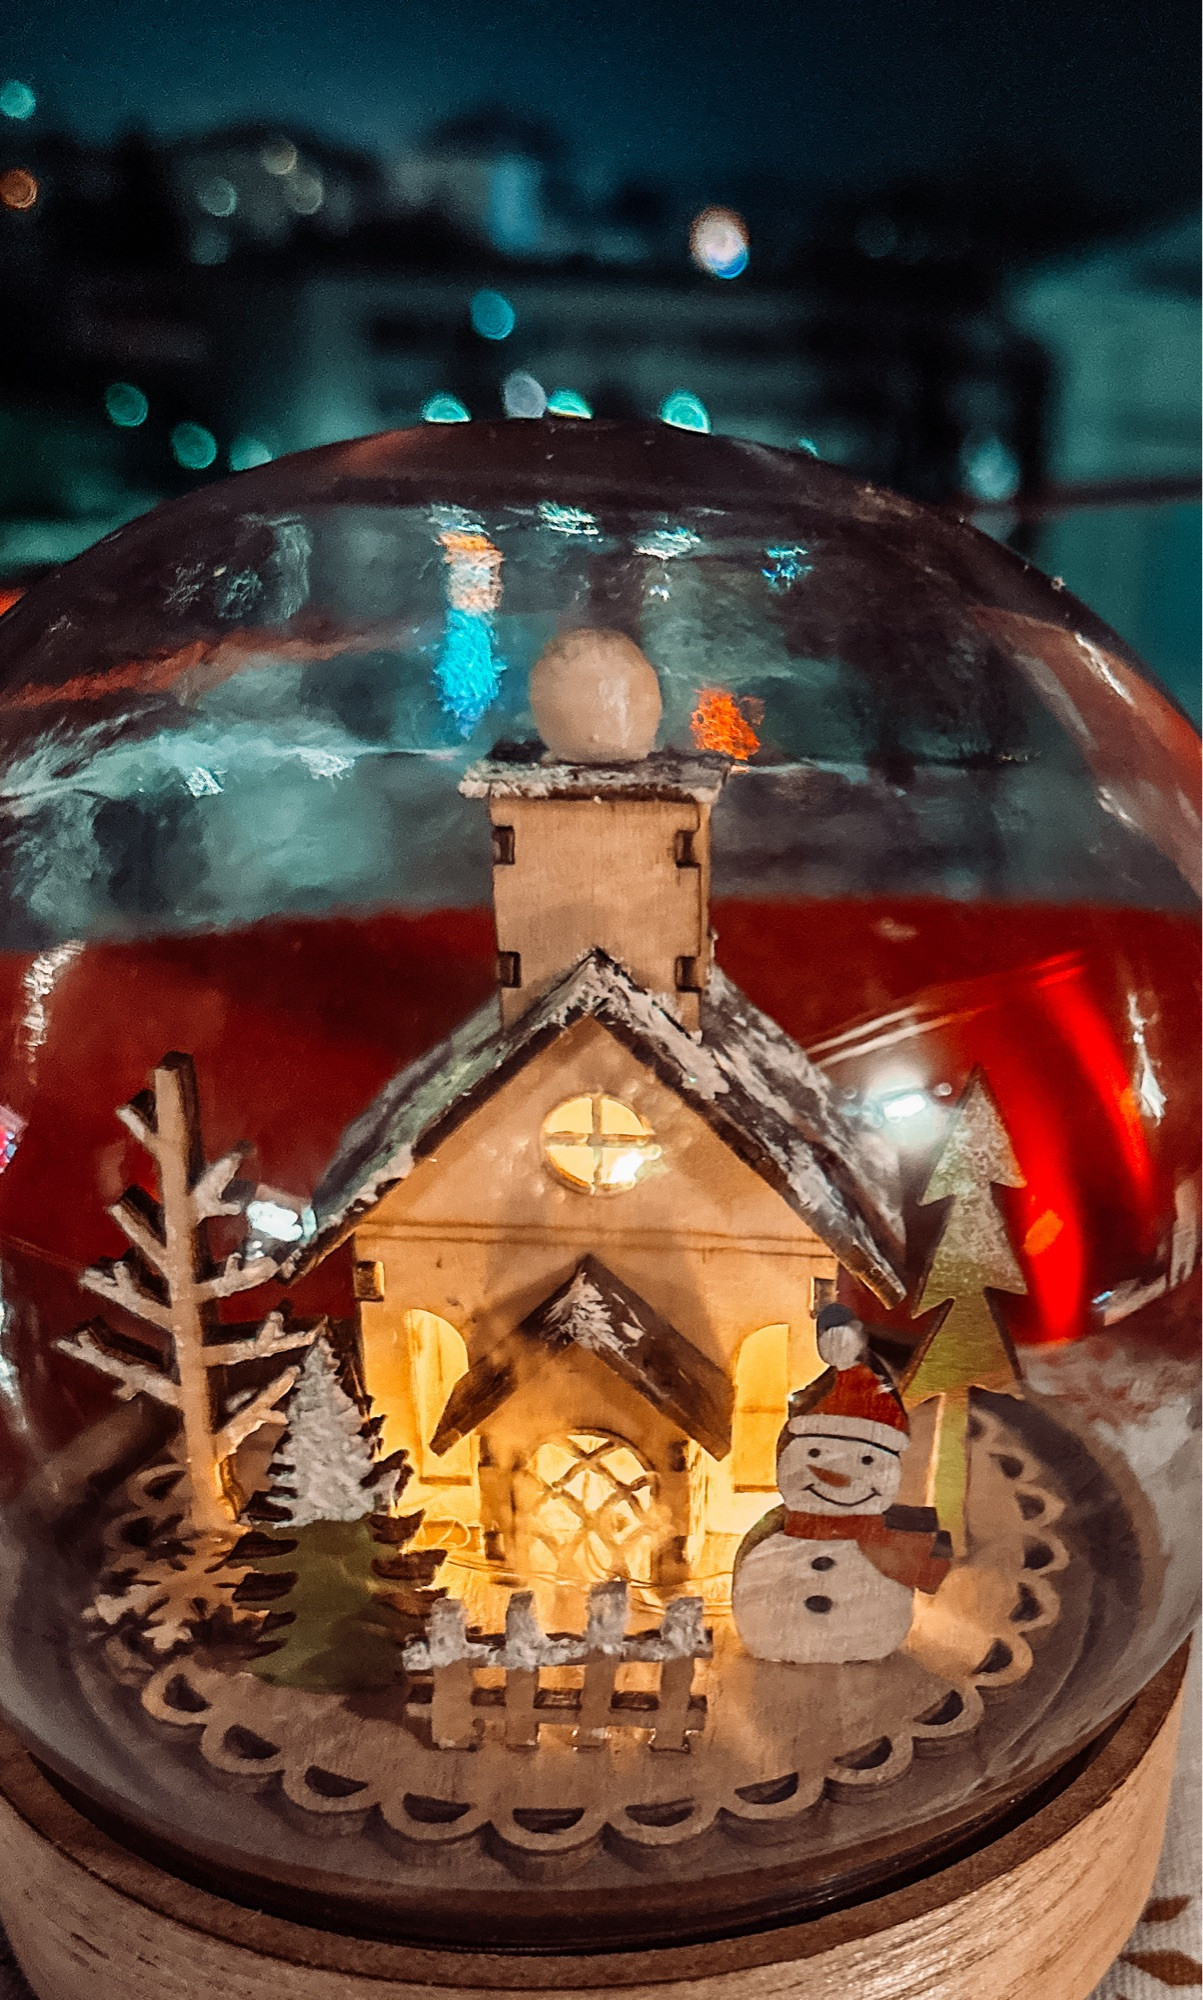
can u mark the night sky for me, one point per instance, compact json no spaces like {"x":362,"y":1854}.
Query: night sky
{"x":843,"y":94}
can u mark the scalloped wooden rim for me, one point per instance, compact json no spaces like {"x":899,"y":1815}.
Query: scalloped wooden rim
{"x":1043,"y":1908}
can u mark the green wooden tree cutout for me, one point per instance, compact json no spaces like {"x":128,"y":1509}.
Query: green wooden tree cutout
{"x":330,"y":1565}
{"x":966,"y":1348}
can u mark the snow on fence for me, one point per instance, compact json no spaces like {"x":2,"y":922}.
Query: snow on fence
{"x":452,"y":1658}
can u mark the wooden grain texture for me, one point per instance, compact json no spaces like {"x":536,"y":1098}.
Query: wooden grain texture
{"x":1040,"y":1911}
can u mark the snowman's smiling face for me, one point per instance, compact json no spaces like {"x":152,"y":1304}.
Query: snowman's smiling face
{"x":821,"y":1474}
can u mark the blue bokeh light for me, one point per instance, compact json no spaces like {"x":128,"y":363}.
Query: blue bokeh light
{"x":17,"y":99}
{"x":685,"y":411}
{"x":193,"y":447}
{"x":247,"y":452}
{"x":568,"y":403}
{"x":444,"y":409}
{"x":126,"y":405}
{"x":492,"y":316}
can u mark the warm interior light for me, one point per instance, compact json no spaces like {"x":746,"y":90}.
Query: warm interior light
{"x":598,"y":1144}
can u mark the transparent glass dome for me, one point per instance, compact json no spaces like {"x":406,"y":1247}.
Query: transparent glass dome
{"x":642,"y":1392}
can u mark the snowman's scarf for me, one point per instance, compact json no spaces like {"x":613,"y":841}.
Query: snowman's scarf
{"x":905,"y":1543}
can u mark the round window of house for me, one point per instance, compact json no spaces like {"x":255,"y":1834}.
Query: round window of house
{"x":598,"y":1144}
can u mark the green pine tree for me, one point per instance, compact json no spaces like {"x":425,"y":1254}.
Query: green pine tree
{"x":966,"y":1347}
{"x":337,"y":1606}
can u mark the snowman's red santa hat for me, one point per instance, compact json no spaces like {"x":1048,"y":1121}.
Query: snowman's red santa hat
{"x":851,"y":1400}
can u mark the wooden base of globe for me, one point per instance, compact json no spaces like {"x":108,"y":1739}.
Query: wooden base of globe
{"x":1043,"y":1909}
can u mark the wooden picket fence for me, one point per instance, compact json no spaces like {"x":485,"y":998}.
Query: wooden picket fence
{"x":456,"y":1702}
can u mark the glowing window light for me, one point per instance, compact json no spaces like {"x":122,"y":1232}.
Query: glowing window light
{"x":567,"y":403}
{"x":305,"y":193}
{"x":17,"y":100}
{"x":492,"y":316}
{"x":522,"y":396}
{"x":598,"y":1144}
{"x":193,"y":447}
{"x":246,"y":452}
{"x":217,"y":196}
{"x":724,"y":725}
{"x":443,"y":409}
{"x":18,"y":189}
{"x":685,"y":412}
{"x":126,"y":405}
{"x":468,"y":670}
{"x":718,"y":242}
{"x":278,"y":156}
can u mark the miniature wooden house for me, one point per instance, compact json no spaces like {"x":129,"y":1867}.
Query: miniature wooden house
{"x":592,"y":1228}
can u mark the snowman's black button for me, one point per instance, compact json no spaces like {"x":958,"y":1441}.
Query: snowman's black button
{"x":817,"y":1603}
{"x":823,"y":1562}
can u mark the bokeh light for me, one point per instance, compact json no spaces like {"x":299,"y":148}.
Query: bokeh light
{"x":492,"y":316}
{"x":685,"y":411}
{"x":18,"y":188}
{"x":17,"y":99}
{"x":568,"y":403}
{"x":724,"y":723}
{"x":522,"y":396}
{"x":278,"y":156}
{"x":246,"y":452}
{"x":718,"y":242}
{"x":193,"y":447}
{"x":210,"y":246}
{"x":126,"y":405}
{"x":444,"y":409}
{"x":217,"y":196}
{"x":990,"y":469}
{"x":305,"y":192}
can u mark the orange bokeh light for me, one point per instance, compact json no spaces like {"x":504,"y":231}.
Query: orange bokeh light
{"x":18,"y":188}
{"x":721,"y":723}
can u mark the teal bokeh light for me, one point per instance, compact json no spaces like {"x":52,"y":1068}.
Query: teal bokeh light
{"x":126,"y":405}
{"x":568,"y":403}
{"x":17,"y":99}
{"x":444,"y":409}
{"x":193,"y":447}
{"x":685,"y":411}
{"x":247,"y":452}
{"x":492,"y":316}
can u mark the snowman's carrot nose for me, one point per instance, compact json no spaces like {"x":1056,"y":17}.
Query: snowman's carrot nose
{"x":832,"y":1478}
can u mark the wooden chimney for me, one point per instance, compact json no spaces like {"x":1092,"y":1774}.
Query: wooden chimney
{"x":609,"y":855}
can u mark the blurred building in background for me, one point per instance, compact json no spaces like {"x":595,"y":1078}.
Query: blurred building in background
{"x":172,"y":312}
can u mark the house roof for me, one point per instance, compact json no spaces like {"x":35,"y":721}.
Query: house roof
{"x":595,"y":1311}
{"x":758,"y":1091}
{"x":527,"y":771}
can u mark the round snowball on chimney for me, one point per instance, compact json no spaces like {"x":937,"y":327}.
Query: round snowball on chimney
{"x":595,"y":698}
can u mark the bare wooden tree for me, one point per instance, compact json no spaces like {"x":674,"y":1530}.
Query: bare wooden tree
{"x":170,"y":1280}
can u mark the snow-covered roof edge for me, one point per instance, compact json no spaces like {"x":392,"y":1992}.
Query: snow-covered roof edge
{"x":519,"y":772}
{"x":757,"y":1089}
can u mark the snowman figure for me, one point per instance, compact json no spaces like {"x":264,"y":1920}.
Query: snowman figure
{"x":832,"y":1574}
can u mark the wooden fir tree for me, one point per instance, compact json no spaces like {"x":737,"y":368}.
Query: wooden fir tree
{"x":966,"y":1348}
{"x":171,"y":1281}
{"x":340,"y":1606}
{"x":325,"y":1466}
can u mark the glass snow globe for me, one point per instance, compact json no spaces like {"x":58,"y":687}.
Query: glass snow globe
{"x":599,"y":1212}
